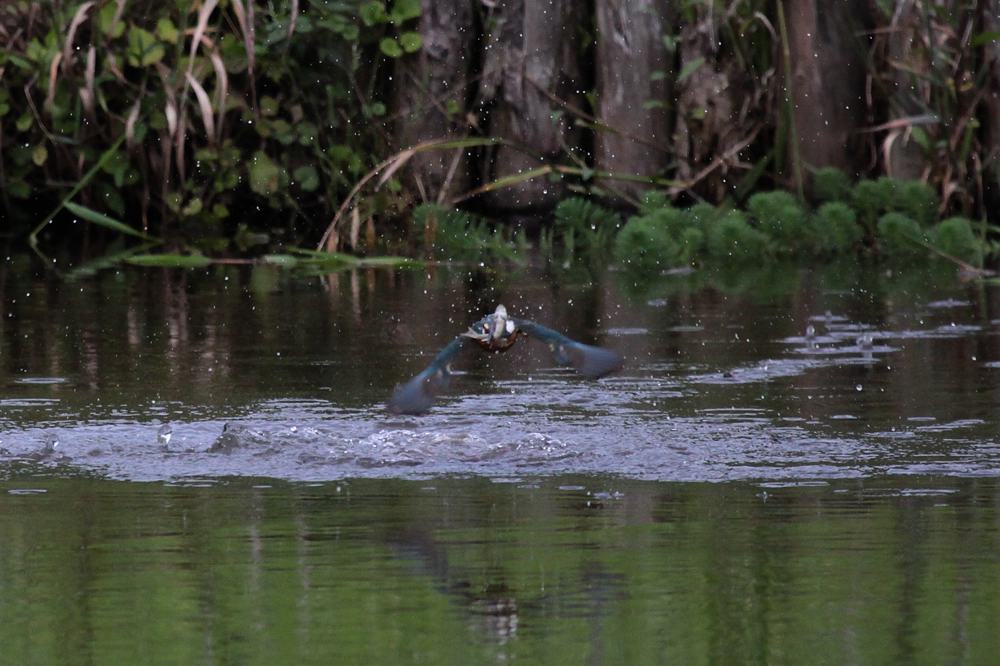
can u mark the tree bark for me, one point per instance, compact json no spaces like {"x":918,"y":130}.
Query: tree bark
{"x":430,"y":94}
{"x":632,"y":95}
{"x":828,"y":80}
{"x":530,"y":57}
{"x":991,"y":23}
{"x":715,"y":109}
{"x":904,"y":159}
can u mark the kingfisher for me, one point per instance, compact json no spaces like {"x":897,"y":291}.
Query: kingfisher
{"x":497,"y":333}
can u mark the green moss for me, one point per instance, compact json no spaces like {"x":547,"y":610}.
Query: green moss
{"x":831,"y":184}
{"x":781,"y":217}
{"x":900,"y":235}
{"x":732,"y":237}
{"x":835,"y":226}
{"x":955,"y":237}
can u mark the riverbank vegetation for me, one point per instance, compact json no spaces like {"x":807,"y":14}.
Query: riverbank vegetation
{"x":235,"y":128}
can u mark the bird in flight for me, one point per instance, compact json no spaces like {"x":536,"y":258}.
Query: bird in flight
{"x":498,"y":332}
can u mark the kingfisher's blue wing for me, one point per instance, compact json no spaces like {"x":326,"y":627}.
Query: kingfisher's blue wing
{"x":417,"y":395}
{"x":591,"y":362}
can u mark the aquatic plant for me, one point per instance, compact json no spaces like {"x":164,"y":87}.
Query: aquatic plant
{"x":731,"y":236}
{"x":585,"y":226}
{"x":781,"y":217}
{"x":900,"y":235}
{"x":645,"y":244}
{"x":871,"y":198}
{"x":955,"y":237}
{"x":835,"y":228}
{"x":916,"y":199}
{"x":450,"y":234}
{"x":831,"y":184}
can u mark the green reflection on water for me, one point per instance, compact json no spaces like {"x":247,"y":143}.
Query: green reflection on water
{"x":570,"y":570}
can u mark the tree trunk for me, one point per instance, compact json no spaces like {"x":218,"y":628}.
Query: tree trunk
{"x":633,"y":83}
{"x":991,"y":23}
{"x":430,"y":92}
{"x":530,"y":58}
{"x":904,"y":159}
{"x":713,"y":109}
{"x":828,"y":81}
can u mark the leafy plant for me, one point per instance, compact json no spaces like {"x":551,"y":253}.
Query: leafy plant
{"x":584,"y":226}
{"x":449,"y":234}
{"x":732,"y":237}
{"x":644,"y":244}
{"x":781,"y":217}
{"x":955,"y":237}
{"x":831,"y":184}
{"x":836,"y":228}
{"x":900,"y":235}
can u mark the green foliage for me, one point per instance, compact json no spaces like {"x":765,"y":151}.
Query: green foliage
{"x":781,"y":217}
{"x":661,"y":237}
{"x":835,"y":228}
{"x":955,"y":237}
{"x":449,"y":234}
{"x":589,"y":226}
{"x":918,"y":200}
{"x":290,"y":130}
{"x":732,"y":237}
{"x":900,"y":235}
{"x":645,"y":244}
{"x":831,"y":184}
{"x":871,"y":198}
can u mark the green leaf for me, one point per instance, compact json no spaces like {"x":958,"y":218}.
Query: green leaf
{"x":192,"y":208}
{"x":986,"y":37}
{"x":404,"y":10}
{"x":39,"y":155}
{"x":143,"y":48}
{"x":102,"y":220}
{"x":265,"y":175}
{"x":268,"y":105}
{"x":24,"y":122}
{"x":106,"y":22}
{"x":411,"y":41}
{"x":167,"y":31}
{"x":372,"y":12}
{"x":307,"y":178}
{"x":658,"y":75}
{"x":169,"y":260}
{"x":690,"y":68}
{"x":283,"y":260}
{"x":390,"y":47}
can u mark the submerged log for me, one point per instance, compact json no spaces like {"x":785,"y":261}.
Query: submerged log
{"x":530,"y":61}
{"x":430,"y":95}
{"x":828,"y":80}
{"x":634,"y":71}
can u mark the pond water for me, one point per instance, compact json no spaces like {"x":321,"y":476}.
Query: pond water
{"x":198,"y":465}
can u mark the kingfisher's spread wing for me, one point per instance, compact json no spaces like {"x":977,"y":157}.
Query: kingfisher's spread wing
{"x":591,"y":362}
{"x":417,"y":395}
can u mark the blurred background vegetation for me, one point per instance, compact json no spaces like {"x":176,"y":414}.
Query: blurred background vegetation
{"x":241,"y":128}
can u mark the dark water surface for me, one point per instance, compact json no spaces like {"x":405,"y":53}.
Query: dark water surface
{"x":741,"y":491}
